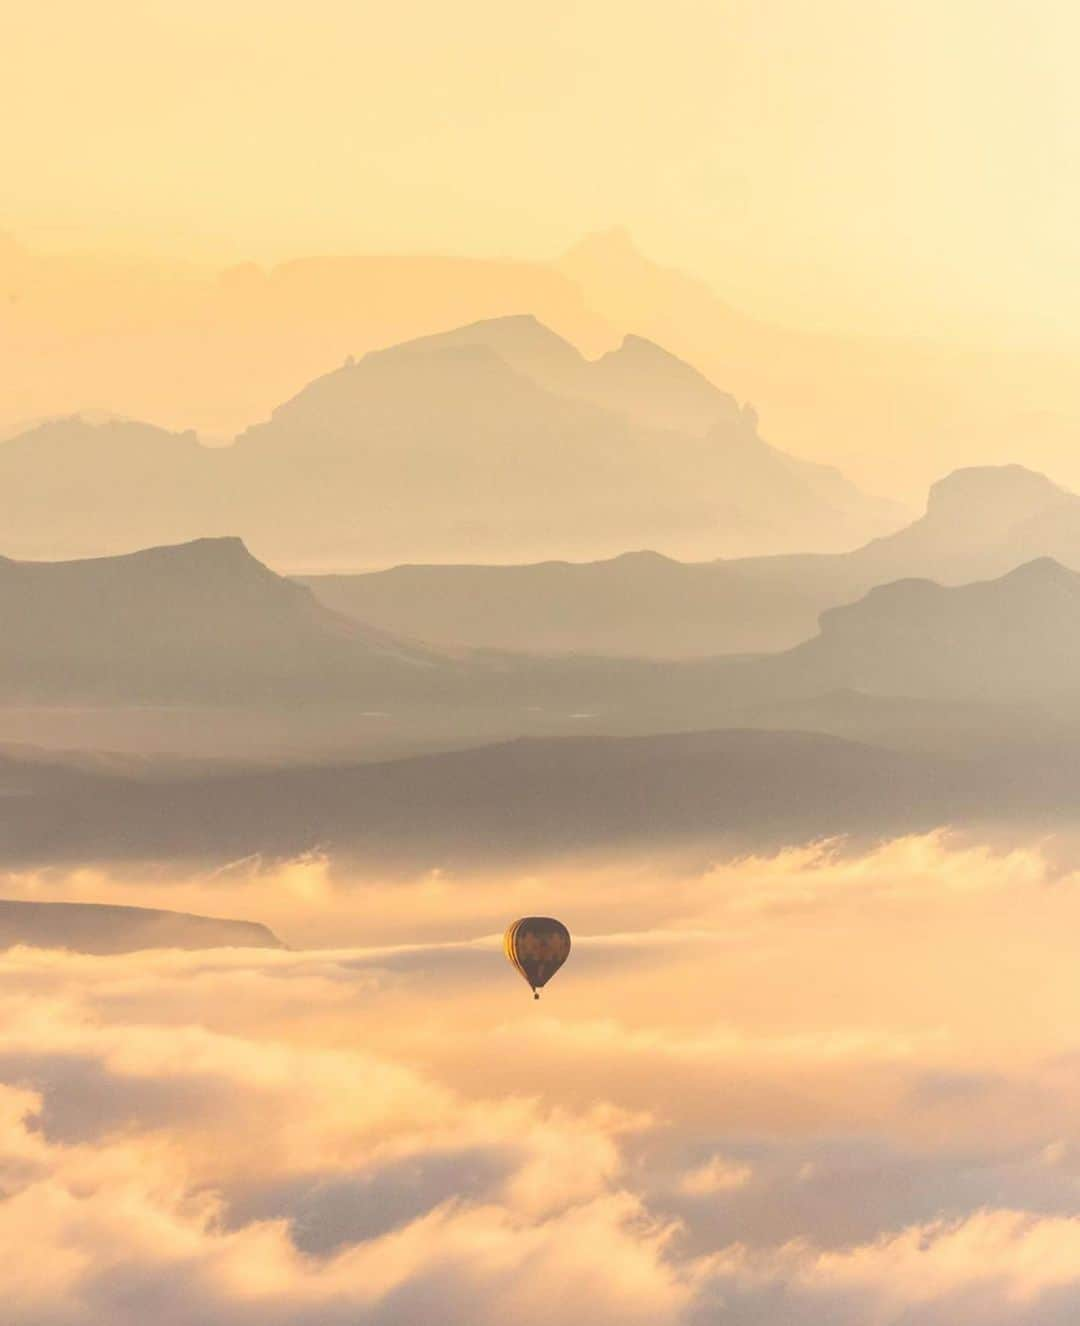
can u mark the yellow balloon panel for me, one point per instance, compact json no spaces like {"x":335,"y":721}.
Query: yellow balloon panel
{"x":537,"y":946}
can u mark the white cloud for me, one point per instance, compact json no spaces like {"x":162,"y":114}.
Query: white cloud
{"x":717,"y":1174}
{"x":840,"y":1090}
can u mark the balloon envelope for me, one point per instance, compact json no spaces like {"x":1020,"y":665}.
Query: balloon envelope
{"x":537,"y":946}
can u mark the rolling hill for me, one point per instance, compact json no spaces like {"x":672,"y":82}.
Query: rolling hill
{"x":526,"y":798}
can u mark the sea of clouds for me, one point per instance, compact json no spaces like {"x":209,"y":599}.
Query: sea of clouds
{"x":815,"y":1088}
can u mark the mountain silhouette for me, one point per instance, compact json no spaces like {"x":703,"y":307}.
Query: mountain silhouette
{"x":79,"y":487}
{"x":903,"y":396}
{"x":105,"y":928}
{"x":636,"y":604}
{"x":639,"y":379}
{"x":979,"y":523}
{"x":1016,"y":638}
{"x":646,"y":383}
{"x":250,"y":661}
{"x":532,"y":798}
{"x":216,"y":350}
{"x":709,"y":791}
{"x":203,"y":619}
{"x":191,"y":347}
{"x":498,"y":438}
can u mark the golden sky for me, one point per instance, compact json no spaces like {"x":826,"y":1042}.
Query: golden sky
{"x":859,"y":164}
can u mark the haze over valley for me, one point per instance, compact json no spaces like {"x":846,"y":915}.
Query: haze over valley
{"x":539,"y":665}
{"x":616,"y":657}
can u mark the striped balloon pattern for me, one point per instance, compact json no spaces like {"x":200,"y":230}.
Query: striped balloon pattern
{"x":537,"y":946}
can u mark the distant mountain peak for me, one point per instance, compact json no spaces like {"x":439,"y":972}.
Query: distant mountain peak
{"x":509,"y":325}
{"x":978,"y":519}
{"x":632,"y":341}
{"x":641,"y":348}
{"x":643,"y":376}
{"x":1015,"y":484}
{"x":198,"y":619}
{"x":213,"y":548}
{"x":644,"y":556}
{"x":520,"y":339}
{"x":511,"y":320}
{"x":1042,"y":570}
{"x":675,"y":457}
{"x":88,"y":427}
{"x":217,"y":553}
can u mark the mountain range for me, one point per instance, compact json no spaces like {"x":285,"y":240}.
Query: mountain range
{"x":525,"y":799}
{"x":205,"y":624}
{"x":200,"y":620}
{"x":1008,"y":640}
{"x":978,"y":524}
{"x":706,"y":791}
{"x":193,"y":347}
{"x":499,"y":438}
{"x":969,"y":693}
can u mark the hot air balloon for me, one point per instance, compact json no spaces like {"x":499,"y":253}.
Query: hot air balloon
{"x":537,"y":946}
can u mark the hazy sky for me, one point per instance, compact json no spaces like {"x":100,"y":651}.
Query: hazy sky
{"x":862,"y":163}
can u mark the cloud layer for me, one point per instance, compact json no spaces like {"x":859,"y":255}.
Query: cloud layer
{"x":816,"y":1088}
